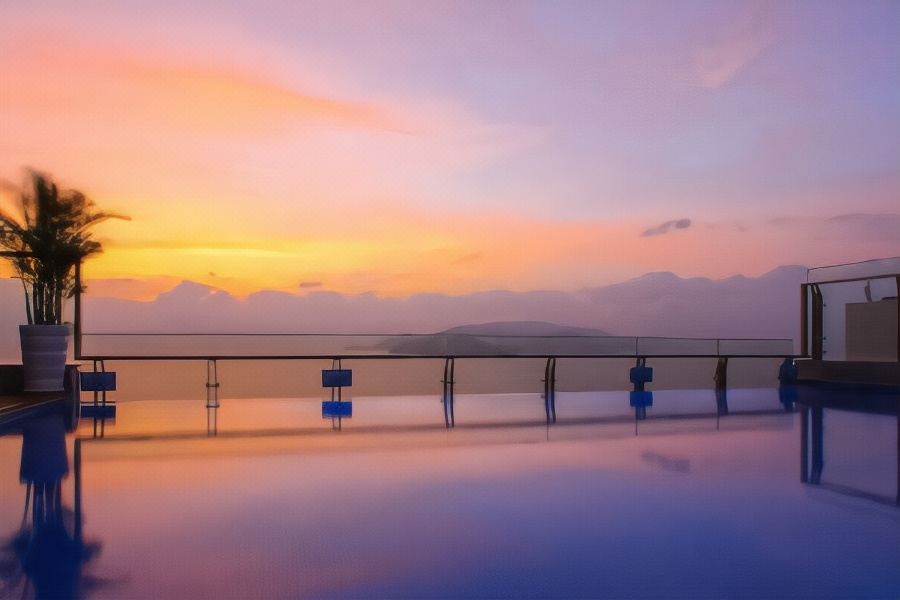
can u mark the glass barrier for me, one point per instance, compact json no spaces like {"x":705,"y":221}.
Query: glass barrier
{"x":752,"y":347}
{"x":399,"y":346}
{"x":650,"y":346}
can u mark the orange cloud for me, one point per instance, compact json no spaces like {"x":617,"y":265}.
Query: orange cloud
{"x":60,"y":74}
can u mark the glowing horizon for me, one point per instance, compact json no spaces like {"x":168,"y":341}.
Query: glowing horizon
{"x":450,"y":147}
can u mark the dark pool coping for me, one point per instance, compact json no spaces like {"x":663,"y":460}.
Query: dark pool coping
{"x":15,"y":409}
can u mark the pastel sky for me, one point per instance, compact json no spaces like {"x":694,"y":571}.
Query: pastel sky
{"x":401,"y":147}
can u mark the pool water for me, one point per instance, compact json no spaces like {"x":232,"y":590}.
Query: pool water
{"x":265,"y":498}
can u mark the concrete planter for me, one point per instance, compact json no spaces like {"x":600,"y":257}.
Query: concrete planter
{"x":44,"y":349}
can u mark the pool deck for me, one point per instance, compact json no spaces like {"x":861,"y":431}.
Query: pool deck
{"x":19,"y":407}
{"x":858,"y":372}
{"x":16,"y":405}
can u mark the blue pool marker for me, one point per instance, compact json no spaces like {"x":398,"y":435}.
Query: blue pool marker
{"x":640,"y":374}
{"x":337,"y":378}
{"x":98,"y":382}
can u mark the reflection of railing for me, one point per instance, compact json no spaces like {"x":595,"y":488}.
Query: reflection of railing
{"x":813,"y":404}
{"x":576,"y":423}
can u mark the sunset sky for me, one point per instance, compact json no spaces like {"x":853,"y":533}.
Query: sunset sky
{"x":402,"y":147}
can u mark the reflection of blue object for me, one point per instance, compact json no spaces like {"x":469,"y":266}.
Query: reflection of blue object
{"x":332,"y":378}
{"x":98,"y":411}
{"x":787,"y":394}
{"x":332,"y":410}
{"x":44,"y":458}
{"x":641,"y":375}
{"x":640,"y":399}
{"x":721,"y":401}
{"x":98,"y":381}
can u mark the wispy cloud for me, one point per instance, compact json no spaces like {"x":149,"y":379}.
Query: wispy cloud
{"x":666,"y":227}
{"x":734,"y":45}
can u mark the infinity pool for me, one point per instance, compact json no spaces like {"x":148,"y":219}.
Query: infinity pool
{"x":268,"y":499}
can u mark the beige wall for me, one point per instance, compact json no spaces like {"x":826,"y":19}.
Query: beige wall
{"x":872,"y":330}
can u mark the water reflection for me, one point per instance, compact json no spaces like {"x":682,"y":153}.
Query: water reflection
{"x":721,"y":402}
{"x":816,"y":404}
{"x":666,"y":462}
{"x":398,"y":506}
{"x":640,"y":401}
{"x":337,"y":411}
{"x":212,"y":421}
{"x":787,"y":395}
{"x":46,"y":557}
{"x":212,"y":410}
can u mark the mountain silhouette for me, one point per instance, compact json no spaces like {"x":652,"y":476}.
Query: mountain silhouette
{"x":655,"y":304}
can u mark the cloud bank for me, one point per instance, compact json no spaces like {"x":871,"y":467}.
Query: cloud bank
{"x":655,"y":304}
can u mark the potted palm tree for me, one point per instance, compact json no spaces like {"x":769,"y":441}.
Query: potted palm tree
{"x":49,"y":237}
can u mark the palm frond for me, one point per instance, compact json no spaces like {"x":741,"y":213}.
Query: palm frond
{"x":55,"y":231}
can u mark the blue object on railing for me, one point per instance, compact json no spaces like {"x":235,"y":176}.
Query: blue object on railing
{"x":332,"y":410}
{"x":98,"y":381}
{"x":337,"y":378}
{"x":640,"y":399}
{"x":788,"y":372}
{"x":640,"y":375}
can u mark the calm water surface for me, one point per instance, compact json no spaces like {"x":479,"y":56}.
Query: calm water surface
{"x":265,"y":498}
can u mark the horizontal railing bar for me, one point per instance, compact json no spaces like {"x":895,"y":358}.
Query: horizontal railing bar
{"x":853,"y":264}
{"x":430,"y":335}
{"x":221,"y":357}
{"x":853,"y":279}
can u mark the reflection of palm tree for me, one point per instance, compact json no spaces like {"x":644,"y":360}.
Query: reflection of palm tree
{"x":47,"y":554}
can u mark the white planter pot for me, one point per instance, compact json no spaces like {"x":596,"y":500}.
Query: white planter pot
{"x":44,"y":349}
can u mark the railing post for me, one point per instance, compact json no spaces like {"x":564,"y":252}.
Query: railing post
{"x":447,"y":397}
{"x":212,"y":384}
{"x":897,"y":281}
{"x":550,"y":389}
{"x":818,"y":306}
{"x":804,"y":319}
{"x":452,"y":398}
{"x":721,"y":376}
